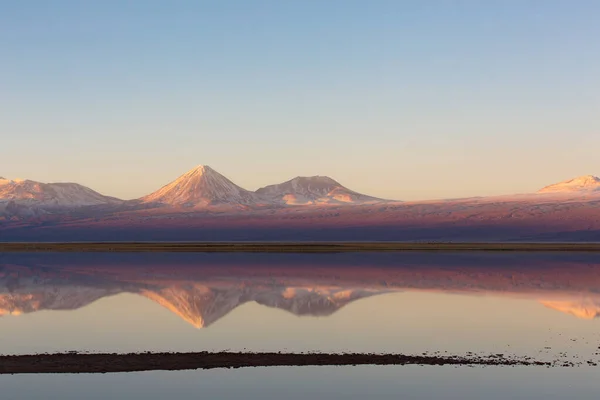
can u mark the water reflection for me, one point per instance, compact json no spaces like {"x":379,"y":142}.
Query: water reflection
{"x":539,"y":305}
{"x":198,"y":301}
{"x":202,"y":289}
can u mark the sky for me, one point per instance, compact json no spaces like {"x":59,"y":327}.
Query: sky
{"x":398,"y":99}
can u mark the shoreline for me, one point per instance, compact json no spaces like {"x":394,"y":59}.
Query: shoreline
{"x":292,"y":247}
{"x":73,"y":363}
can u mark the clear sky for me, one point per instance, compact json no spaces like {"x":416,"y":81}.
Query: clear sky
{"x":399,"y":99}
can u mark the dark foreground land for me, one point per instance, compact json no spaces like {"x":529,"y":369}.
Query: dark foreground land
{"x":290,"y":247}
{"x":104,"y":363}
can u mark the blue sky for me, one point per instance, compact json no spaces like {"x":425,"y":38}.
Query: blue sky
{"x":399,"y":99}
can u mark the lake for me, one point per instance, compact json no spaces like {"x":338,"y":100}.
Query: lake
{"x":540,"y":305}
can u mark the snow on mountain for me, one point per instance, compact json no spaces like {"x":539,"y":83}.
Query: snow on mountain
{"x":201,"y":187}
{"x":314,"y":190}
{"x":586,"y":184}
{"x":49,"y":195}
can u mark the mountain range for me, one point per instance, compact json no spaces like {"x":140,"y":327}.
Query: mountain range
{"x":202,"y":204}
{"x":199,"y":188}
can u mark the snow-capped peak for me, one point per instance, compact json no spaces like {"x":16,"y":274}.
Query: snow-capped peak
{"x":586,"y":183}
{"x":200,"y":170}
{"x":304,"y":190}
{"x":202,"y":186}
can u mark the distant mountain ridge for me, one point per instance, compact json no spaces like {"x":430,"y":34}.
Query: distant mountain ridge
{"x":202,"y":186}
{"x":202,"y":204}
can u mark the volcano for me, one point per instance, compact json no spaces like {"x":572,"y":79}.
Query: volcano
{"x":203,"y":187}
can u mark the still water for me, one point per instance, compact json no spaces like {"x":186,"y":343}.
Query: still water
{"x":539,"y":305}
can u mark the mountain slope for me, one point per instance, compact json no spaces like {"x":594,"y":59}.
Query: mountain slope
{"x":585,"y":184}
{"x":314,"y":190}
{"x":201,"y":187}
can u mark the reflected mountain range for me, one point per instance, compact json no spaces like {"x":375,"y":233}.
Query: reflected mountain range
{"x":202,"y":289}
